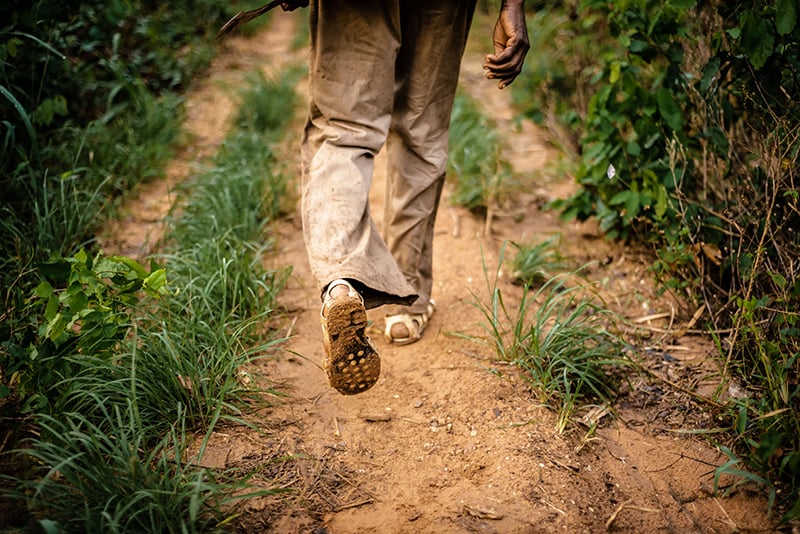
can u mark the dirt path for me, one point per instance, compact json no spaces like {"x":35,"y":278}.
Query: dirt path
{"x":450,"y":440}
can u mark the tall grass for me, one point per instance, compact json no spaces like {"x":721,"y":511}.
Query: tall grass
{"x":101,"y":474}
{"x":266,"y":103}
{"x":534,"y":264}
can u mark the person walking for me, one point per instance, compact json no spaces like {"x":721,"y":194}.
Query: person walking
{"x":383,"y":72}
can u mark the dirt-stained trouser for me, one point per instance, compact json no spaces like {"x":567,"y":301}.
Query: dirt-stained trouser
{"x":380,"y":72}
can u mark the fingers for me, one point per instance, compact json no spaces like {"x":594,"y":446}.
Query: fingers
{"x":506,"y":65}
{"x":511,"y":44}
{"x":291,"y":5}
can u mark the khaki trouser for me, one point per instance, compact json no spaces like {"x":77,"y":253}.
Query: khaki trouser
{"x":380,"y":72}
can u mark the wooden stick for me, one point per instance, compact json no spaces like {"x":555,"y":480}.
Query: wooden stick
{"x":243,"y":17}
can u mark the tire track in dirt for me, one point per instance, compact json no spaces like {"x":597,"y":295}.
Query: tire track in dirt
{"x":449,"y":440}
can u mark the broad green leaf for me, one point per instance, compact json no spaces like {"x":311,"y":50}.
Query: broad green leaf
{"x":620,"y":198}
{"x":44,"y":290}
{"x":56,"y":327}
{"x":131,"y":263}
{"x":757,"y":40}
{"x":638,"y":46}
{"x":786,"y":16}
{"x":669,"y":109}
{"x":779,"y":280}
{"x":49,"y":108}
{"x":76,"y":300}
{"x":632,"y":205}
{"x":51,"y":309}
{"x":81,"y":256}
{"x":661,"y":201}
{"x":156,"y":281}
{"x":12,"y":45}
{"x":57,"y":270}
{"x":615,"y":72}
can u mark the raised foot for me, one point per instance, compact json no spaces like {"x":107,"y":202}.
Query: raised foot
{"x":351,"y":363}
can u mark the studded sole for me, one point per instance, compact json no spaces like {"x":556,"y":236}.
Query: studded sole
{"x":352,"y":363}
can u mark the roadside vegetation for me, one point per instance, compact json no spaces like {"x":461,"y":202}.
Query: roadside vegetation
{"x":111,"y":367}
{"x":683,"y":119}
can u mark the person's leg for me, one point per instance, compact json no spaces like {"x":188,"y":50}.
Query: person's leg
{"x":434,"y":35}
{"x":352,"y":68}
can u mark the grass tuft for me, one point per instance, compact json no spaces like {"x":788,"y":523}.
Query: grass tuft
{"x":534,"y":265}
{"x":481,"y":175}
{"x":560,"y":336}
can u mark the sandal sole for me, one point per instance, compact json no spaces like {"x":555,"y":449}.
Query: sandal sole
{"x":352,"y":363}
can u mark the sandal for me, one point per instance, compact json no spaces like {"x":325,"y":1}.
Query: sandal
{"x":351,"y":363}
{"x":415,"y":323}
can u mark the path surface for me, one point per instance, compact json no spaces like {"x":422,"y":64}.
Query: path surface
{"x":450,"y":440}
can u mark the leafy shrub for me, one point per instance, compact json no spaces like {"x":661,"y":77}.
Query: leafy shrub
{"x":82,"y":307}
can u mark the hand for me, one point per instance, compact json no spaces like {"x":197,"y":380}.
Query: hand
{"x":291,"y":5}
{"x":510,"y":44}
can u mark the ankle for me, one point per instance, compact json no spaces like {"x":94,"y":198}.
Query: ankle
{"x":339,"y":291}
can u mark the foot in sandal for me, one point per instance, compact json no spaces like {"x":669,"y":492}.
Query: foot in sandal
{"x":405,"y":328}
{"x":351,"y":363}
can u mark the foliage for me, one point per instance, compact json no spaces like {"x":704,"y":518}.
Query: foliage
{"x":636,"y":109}
{"x":553,"y":89}
{"x":84,"y":118}
{"x":82,"y":306}
{"x":59,"y":57}
{"x":689,"y":143}
{"x":267,"y":104}
{"x":86,"y":107}
{"x":114,"y":377}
